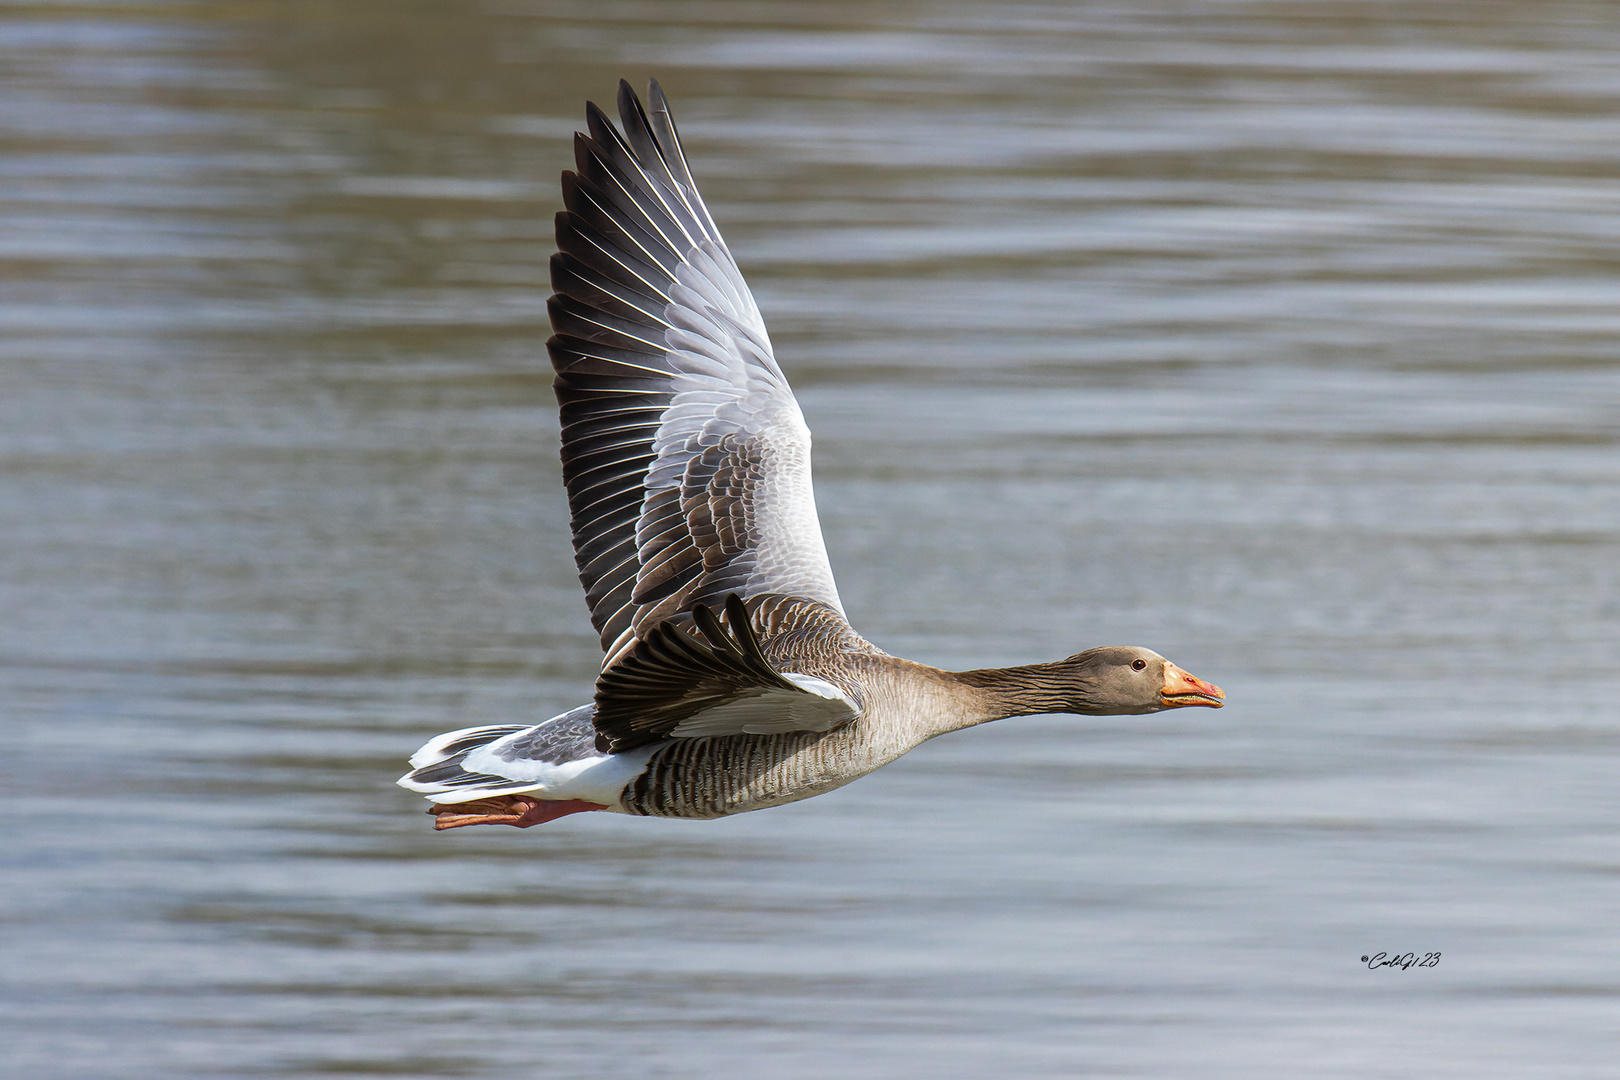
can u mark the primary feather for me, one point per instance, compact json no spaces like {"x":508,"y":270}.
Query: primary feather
{"x":686,"y":458}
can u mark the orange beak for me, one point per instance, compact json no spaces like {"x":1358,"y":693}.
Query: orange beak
{"x":1182,"y":689}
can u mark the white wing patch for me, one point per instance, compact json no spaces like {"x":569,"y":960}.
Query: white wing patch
{"x":819,"y":706}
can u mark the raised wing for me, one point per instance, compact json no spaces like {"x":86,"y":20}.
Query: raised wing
{"x":686,"y":458}
{"x":673,"y":685}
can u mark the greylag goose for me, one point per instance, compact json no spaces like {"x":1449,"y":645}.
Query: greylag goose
{"x":731,"y":680}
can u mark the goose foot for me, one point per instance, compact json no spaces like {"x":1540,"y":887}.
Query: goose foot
{"x":519,"y":810}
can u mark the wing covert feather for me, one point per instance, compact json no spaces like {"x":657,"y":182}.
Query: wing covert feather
{"x":676,"y":684}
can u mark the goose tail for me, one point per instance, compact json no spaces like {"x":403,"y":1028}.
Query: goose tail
{"x":555,"y":760}
{"x":439,"y":769}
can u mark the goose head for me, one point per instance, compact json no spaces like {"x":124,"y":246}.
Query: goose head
{"x":1126,"y":679}
{"x":1115,"y":680}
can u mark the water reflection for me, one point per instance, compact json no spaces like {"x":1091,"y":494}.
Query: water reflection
{"x":1277,"y":336}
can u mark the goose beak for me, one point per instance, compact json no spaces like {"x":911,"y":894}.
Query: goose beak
{"x":1182,"y":689}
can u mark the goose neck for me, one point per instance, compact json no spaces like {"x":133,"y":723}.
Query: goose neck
{"x":1026,"y":690}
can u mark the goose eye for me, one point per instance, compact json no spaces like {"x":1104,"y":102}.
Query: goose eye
{"x":1138,"y":664}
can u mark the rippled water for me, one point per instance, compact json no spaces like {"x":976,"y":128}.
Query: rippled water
{"x":1280,"y":337}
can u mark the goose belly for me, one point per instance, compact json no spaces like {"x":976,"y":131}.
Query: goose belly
{"x":714,"y":777}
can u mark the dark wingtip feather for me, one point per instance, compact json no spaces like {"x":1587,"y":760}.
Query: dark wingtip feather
{"x":594,"y":114}
{"x":629,"y":104}
{"x":639,"y":131}
{"x":602,"y":133}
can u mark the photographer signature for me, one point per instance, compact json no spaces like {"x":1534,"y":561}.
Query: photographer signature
{"x":1401,"y":960}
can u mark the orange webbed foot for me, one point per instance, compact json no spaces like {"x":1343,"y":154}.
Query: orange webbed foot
{"x":521,"y":811}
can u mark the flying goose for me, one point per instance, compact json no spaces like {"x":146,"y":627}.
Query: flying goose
{"x":731,"y":680}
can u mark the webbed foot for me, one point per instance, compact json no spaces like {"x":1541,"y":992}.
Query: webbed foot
{"x":519,"y":810}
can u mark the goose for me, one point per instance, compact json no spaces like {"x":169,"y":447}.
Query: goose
{"x":731,"y":680}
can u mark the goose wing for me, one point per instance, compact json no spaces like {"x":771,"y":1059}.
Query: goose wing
{"x":686,"y":458}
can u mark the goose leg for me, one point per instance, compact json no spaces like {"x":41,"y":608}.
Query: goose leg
{"x":519,"y":810}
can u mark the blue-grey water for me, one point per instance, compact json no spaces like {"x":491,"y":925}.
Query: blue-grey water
{"x":1282,"y":337}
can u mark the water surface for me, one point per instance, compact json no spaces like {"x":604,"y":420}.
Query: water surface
{"x":1279,"y":337}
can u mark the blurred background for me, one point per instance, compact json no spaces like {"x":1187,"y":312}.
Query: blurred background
{"x":1278,"y":336}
